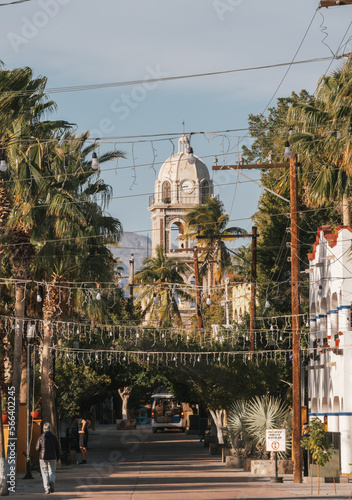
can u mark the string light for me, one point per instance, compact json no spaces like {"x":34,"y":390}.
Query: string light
{"x":3,"y":165}
{"x":95,"y":161}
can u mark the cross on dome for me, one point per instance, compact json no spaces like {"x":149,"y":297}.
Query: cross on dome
{"x":183,"y":144}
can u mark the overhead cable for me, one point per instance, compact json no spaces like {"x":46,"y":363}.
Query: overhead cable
{"x":95,"y":86}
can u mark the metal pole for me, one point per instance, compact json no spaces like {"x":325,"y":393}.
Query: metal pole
{"x":296,"y":356}
{"x":131,"y":276}
{"x":28,"y":451}
{"x":253,"y":289}
{"x":227,"y":281}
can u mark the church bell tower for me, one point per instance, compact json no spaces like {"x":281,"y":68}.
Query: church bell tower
{"x":183,"y":182}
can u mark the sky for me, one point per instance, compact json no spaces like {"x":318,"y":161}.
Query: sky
{"x":81,"y":42}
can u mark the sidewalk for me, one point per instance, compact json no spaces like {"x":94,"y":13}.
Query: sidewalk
{"x":139,"y":465}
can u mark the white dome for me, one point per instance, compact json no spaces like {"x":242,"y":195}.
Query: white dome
{"x":178,"y":168}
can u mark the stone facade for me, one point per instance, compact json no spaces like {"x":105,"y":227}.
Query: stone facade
{"x":267,"y":467}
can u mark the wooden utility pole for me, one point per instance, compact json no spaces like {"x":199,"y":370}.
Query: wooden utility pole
{"x":195,"y":250}
{"x":334,"y":3}
{"x":296,"y":361}
{"x":253,"y":288}
{"x":296,"y":358}
{"x":254,"y":236}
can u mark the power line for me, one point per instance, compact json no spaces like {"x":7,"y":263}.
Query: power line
{"x":95,"y":86}
{"x":292,"y":62}
{"x":14,"y":2}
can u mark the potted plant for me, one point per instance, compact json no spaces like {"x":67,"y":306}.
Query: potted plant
{"x":5,"y":417}
{"x":36,"y":414}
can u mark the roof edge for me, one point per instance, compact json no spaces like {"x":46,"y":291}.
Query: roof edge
{"x":331,"y":237}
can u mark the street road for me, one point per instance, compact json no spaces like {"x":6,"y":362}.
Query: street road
{"x":139,"y":465}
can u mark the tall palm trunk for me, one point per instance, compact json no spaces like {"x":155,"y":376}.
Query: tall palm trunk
{"x":4,"y":214}
{"x":24,"y":375}
{"x":21,"y":258}
{"x":50,"y":308}
{"x":3,"y":466}
{"x":346,"y":213}
{"x":17,"y":354}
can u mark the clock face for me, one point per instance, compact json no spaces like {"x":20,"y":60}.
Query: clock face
{"x":187,"y":186}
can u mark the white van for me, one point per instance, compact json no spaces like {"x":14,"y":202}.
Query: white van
{"x":167,"y":413}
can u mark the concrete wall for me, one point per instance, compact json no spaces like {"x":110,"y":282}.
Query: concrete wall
{"x":330,"y":362}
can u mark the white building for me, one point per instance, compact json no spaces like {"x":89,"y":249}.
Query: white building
{"x":330,"y":359}
{"x":241,"y":301}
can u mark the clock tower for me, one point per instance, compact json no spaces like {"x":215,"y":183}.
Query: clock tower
{"x":183,"y":182}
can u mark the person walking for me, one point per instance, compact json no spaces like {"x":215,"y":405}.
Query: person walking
{"x":83,"y":425}
{"x":49,"y":454}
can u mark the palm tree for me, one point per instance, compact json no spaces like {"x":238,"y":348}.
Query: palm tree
{"x":162,"y":285}
{"x":242,"y":262}
{"x":76,"y":232}
{"x":51,"y":188}
{"x":209,"y":221}
{"x":323,"y":141}
{"x":22,"y":106}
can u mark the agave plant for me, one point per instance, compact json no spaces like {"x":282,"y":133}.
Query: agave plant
{"x":266,"y":412}
{"x":236,"y":424}
{"x":248,"y":420}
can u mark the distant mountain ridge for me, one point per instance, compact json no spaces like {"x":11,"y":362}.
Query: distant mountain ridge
{"x":139,"y":245}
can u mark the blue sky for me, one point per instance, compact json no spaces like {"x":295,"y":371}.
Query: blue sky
{"x":77,"y":42}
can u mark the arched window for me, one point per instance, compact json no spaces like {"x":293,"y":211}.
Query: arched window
{"x":204,"y":190}
{"x":166,"y":192}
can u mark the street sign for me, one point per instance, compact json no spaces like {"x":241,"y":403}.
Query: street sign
{"x":275,"y":440}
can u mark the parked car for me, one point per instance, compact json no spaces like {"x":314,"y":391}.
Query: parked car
{"x":167,"y":413}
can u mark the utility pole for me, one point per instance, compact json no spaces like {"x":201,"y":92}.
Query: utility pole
{"x":253,"y":289}
{"x":195,"y":250}
{"x":254,"y":236}
{"x":334,"y":3}
{"x":131,"y":284}
{"x":296,"y":358}
{"x":227,"y":281}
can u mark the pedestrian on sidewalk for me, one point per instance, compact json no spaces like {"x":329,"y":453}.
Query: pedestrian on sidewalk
{"x":83,"y":425}
{"x":49,"y":454}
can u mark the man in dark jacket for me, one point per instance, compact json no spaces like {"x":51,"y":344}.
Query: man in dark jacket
{"x":49,"y":453}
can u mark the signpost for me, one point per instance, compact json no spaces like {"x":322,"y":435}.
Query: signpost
{"x":275,"y":442}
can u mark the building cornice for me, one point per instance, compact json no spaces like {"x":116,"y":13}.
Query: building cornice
{"x":330,"y":237}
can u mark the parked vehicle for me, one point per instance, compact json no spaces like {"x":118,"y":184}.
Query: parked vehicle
{"x":167,"y":413}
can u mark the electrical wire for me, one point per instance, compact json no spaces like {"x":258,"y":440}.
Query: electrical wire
{"x":336,"y":57}
{"x":292,"y":62}
{"x":95,"y":86}
{"x":14,"y":2}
